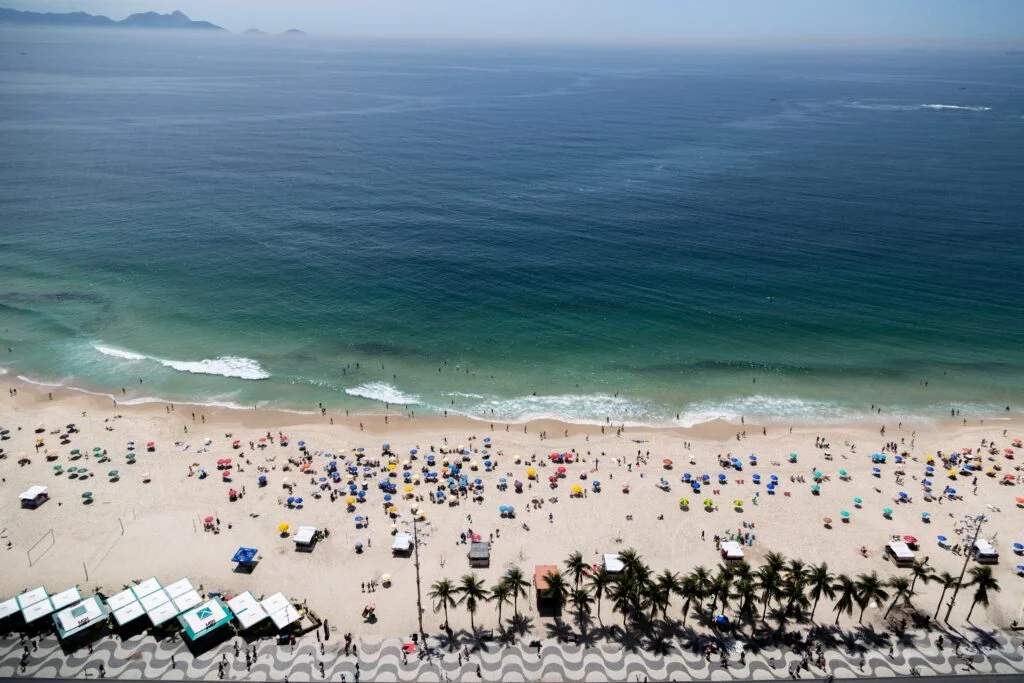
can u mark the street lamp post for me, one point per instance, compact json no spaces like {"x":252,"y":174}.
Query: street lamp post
{"x":419,"y":597}
{"x":978,"y":521}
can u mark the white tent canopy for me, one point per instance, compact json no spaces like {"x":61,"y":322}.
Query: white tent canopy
{"x":31,"y":597}
{"x":247,"y":610}
{"x":154,"y":600}
{"x":148,"y":586}
{"x":33,"y":492}
{"x":284,"y":617}
{"x":402,"y":542}
{"x":65,"y":598}
{"x":127,"y":613}
{"x":732,"y":550}
{"x":187,"y":601}
{"x":122,"y":599}
{"x":304,"y":535}
{"x":179,"y":588}
{"x":164,"y":612}
{"x":37,"y":610}
{"x":78,"y":617}
{"x":613,"y":563}
{"x":8,"y":607}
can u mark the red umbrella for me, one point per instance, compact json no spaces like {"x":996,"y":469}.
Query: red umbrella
{"x":1008,"y":451}
{"x":666,"y":462}
{"x":263,"y":439}
{"x":910,"y":539}
{"x":568,"y":458}
{"x":553,"y":479}
{"x":225,"y":474}
{"x":150,"y":444}
{"x":209,"y":519}
{"x":561,"y":470}
{"x":236,"y":443}
{"x":409,"y":647}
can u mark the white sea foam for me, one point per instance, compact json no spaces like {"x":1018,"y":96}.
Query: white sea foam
{"x":592,"y":409}
{"x":955,"y":106}
{"x":224,"y":366}
{"x":3,"y":371}
{"x":913,"y":107}
{"x":39,"y":383}
{"x":118,"y":353}
{"x":385,"y":393}
{"x":773,"y":408}
{"x":459,"y":394}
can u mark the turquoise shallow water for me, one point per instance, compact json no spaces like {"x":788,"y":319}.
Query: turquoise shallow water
{"x":530,"y":231}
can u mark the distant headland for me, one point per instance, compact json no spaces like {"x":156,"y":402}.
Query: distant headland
{"x":139,"y":20}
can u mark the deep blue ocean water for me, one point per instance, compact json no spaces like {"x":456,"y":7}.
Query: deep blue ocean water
{"x":533,"y":231}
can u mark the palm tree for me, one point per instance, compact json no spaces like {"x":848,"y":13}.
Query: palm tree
{"x":984,"y":583}
{"x":796,"y":573}
{"x":689,"y":591}
{"x":581,"y":601}
{"x":443,"y":592}
{"x":948,"y":581}
{"x":721,"y":588}
{"x":701,"y":585}
{"x":821,"y":582}
{"x":576,"y":567}
{"x":666,"y":584}
{"x":471,"y":592}
{"x":920,"y":569}
{"x":903,"y":589}
{"x":869,"y":588}
{"x":847,"y":590}
{"x":769,"y":579}
{"x":514,"y":578}
{"x":501,"y":594}
{"x":600,"y":581}
{"x":746,"y":593}
{"x":776,"y":561}
{"x":557,"y":590}
{"x":621,"y":594}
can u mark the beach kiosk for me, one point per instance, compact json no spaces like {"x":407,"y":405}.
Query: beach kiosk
{"x":34,"y":497}
{"x":305,"y":538}
{"x":613,"y":563}
{"x":402,"y":544}
{"x":202,"y":623}
{"x":984,"y":552}
{"x":280,"y":610}
{"x":731,"y":551}
{"x":8,"y":608}
{"x":479,"y":554}
{"x":900,"y":553}
{"x":73,"y":622}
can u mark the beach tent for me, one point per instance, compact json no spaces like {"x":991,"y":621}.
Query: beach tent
{"x":305,"y":538}
{"x":34,"y":496}
{"x":402,"y":543}
{"x":613,"y":563}
{"x":900,"y":552}
{"x":731,"y":550}
{"x":128,"y":613}
{"x":204,"y":619}
{"x":984,"y":552}
{"x":146,"y":587}
{"x":246,"y":558}
{"x":247,"y":610}
{"x":80,"y":616}
{"x":540,"y":573}
{"x":280,"y":610}
{"x":479,"y":554}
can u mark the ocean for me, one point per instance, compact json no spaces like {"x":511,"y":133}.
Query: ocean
{"x":513,"y":231}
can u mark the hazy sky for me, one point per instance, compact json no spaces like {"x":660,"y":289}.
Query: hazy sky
{"x":630,"y":21}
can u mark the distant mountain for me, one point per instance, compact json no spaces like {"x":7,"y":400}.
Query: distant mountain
{"x":175,"y":20}
{"x":294,"y":32}
{"x":254,"y":32}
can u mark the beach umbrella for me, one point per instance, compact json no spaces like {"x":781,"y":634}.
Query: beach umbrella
{"x":1020,"y":501}
{"x":737,"y":503}
{"x":150,"y":444}
{"x":387,"y":497}
{"x":904,"y":495}
{"x":112,"y":473}
{"x":828,"y":520}
{"x":1018,"y":548}
{"x":842,"y":473}
{"x":82,"y":470}
{"x":757,"y":479}
{"x":910,"y":540}
{"x":208,"y":519}
{"x":705,"y":478}
{"x":283,"y":527}
{"x":531,"y":473}
{"x":887,"y":512}
{"x":722,"y":620}
{"x":815,"y":488}
{"x":721,"y":478}
{"x":350,"y":501}
{"x":683,"y":502}
{"x":687,"y":476}
{"x":858,"y":500}
{"x":96,"y":449}
{"x":708,"y":503}
{"x":667,"y":463}
{"x":876,"y":471}
{"x":291,"y":500}
{"x":845,"y":514}
{"x":58,"y":468}
{"x":87,"y":494}
{"x":942,"y":540}
{"x":561,"y":470}
{"x":774,"y":478}
{"x":818,"y":474}
{"x":951,"y":491}
{"x":926,"y":516}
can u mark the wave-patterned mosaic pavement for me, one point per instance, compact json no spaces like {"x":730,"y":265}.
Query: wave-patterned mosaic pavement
{"x":382,"y":660}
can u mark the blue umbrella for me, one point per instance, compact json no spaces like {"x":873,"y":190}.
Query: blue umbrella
{"x":360,"y":449}
{"x":951,"y":491}
{"x":302,"y":444}
{"x":596,"y":484}
{"x":352,"y":487}
{"x":753,"y":458}
{"x":503,"y":508}
{"x":291,"y":500}
{"x":487,"y":440}
{"x":333,"y":464}
{"x":771,"y":487}
{"x":774,"y":478}
{"x":244,"y":555}
{"x":387,"y":497}
{"x":721,"y":620}
{"x":705,"y":477}
{"x":359,"y":518}
{"x":903,"y":494}
{"x":386,"y":447}
{"x":942,"y":539}
{"x":487,"y":463}
{"x":756,"y":478}
{"x":262,"y":479}
{"x":898,"y":458}
{"x":696,"y":487}
{"x":352,"y":469}
{"x":478,"y":482}
{"x":687,"y":476}
{"x":413,"y":452}
{"x":876,"y":471}
{"x":407,"y":475}
{"x":502,"y":480}
{"x":721,"y":477}
{"x":298,"y":501}
{"x":926,"y":482}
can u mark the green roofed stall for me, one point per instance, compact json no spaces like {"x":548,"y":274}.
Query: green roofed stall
{"x":204,"y":619}
{"x":80,"y":616}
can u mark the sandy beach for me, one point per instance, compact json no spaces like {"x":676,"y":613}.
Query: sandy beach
{"x":134,"y":530}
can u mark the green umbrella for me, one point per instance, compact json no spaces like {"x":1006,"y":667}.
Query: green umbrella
{"x":817,"y":474}
{"x":86,"y":494}
{"x":887,"y":512}
{"x":82,"y":470}
{"x":815,"y":487}
{"x":857,"y":501}
{"x":96,"y":449}
{"x":842,"y":473}
{"x":75,"y":451}
{"x":112,"y":473}
{"x":844,"y":513}
{"x":58,"y":468}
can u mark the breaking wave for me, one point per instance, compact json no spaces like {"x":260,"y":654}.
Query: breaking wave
{"x":385,"y":393}
{"x":223,"y":366}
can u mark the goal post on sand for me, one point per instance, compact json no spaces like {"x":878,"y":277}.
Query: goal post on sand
{"x":47,"y":535}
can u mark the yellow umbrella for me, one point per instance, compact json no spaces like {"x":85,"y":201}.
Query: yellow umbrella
{"x":350,"y":501}
{"x":531,"y":473}
{"x":283,"y":527}
{"x":391,"y":467}
{"x":392,"y":510}
{"x":410,"y":488}
{"x":738,"y":503}
{"x":577,"y":489}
